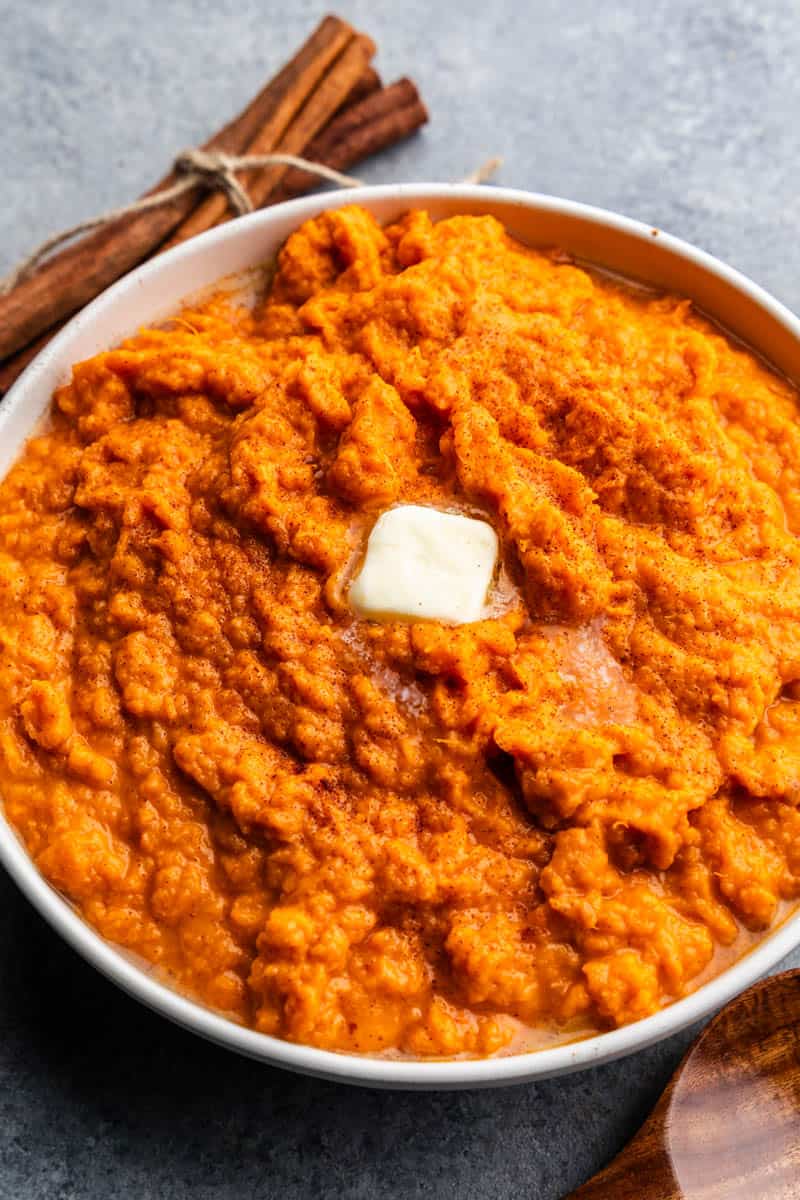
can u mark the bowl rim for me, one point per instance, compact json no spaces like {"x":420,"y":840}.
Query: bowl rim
{"x":346,"y":1068}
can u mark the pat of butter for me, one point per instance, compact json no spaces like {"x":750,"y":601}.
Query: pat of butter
{"x":423,"y":564}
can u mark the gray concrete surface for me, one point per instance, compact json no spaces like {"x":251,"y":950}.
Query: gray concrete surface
{"x":685,"y":114}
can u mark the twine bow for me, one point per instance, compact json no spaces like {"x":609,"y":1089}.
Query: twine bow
{"x":215,"y":171}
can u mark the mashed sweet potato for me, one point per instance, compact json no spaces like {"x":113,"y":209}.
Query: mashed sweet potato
{"x":409,"y":837}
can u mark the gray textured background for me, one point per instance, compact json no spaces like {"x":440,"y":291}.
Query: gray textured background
{"x":685,"y":114}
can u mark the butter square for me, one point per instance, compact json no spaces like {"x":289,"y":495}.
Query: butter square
{"x":425,"y":565}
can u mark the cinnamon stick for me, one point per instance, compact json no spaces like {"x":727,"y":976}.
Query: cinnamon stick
{"x":369,"y":82}
{"x":77,"y":274}
{"x":13,"y":367}
{"x":361,"y":130}
{"x":320,"y":107}
{"x":315,"y":115}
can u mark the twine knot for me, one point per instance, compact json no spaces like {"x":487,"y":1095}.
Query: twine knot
{"x":215,"y":171}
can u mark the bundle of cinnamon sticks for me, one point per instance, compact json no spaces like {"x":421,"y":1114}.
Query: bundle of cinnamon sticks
{"x":327,"y":104}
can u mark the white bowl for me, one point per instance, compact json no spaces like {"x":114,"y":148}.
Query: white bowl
{"x":154,"y":291}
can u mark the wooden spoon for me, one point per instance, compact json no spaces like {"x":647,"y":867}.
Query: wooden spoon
{"x":728,"y":1125}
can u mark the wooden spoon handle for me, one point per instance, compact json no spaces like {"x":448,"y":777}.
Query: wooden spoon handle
{"x":621,"y":1184}
{"x":641,"y":1172}
{"x":728,"y":1125}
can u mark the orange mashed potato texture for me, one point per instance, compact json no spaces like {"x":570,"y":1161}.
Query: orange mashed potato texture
{"x":409,"y":837}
